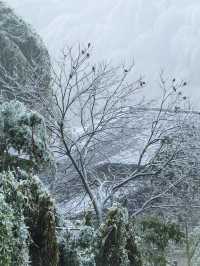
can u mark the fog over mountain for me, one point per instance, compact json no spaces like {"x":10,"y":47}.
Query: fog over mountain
{"x":158,"y":34}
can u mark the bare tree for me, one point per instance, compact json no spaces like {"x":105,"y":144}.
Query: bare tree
{"x":97,"y":114}
{"x":25,"y":83}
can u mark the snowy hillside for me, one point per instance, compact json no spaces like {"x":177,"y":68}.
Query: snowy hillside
{"x":159,"y":34}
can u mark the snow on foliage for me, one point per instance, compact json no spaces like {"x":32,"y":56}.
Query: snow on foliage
{"x":14,"y":237}
{"x":27,"y":222}
{"x":24,"y":60}
{"x":22,"y":132}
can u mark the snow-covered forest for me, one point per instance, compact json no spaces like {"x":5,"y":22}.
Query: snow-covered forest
{"x":94,"y":169}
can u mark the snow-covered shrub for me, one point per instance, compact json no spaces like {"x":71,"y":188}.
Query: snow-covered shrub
{"x":116,"y":241}
{"x":13,"y":231}
{"x":67,"y":248}
{"x":78,"y":251}
{"x":154,"y":238}
{"x":40,"y":217}
{"x":23,"y":145}
{"x":192,"y":245}
{"x":6,"y":232}
{"x":27,"y":221}
{"x":77,"y":248}
{"x":111,"y":244}
{"x":23,"y":138}
{"x":85,"y":248}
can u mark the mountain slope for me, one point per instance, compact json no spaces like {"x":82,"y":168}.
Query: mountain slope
{"x":24,"y":60}
{"x":160,"y":34}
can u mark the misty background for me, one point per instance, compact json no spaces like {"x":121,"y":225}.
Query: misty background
{"x":158,"y":34}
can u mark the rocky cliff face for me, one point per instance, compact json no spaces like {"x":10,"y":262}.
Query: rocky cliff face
{"x":24,"y":60}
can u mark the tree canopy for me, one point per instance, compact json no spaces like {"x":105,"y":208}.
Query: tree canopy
{"x":23,"y":138}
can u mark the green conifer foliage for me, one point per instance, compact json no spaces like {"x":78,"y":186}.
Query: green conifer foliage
{"x":78,"y":251}
{"x":27,"y":222}
{"x":116,"y":241}
{"x":7,"y":238}
{"x":39,"y":212}
{"x":23,"y":139}
{"x":154,"y":237}
{"x":14,"y":240}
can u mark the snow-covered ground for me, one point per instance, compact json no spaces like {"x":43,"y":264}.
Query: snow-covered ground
{"x":159,"y":34}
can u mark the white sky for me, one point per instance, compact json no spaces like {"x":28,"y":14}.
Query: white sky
{"x":158,"y":34}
